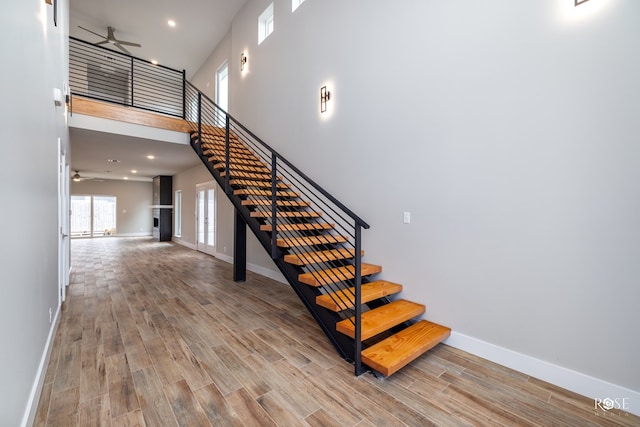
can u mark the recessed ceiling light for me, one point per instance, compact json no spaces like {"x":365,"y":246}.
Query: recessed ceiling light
{"x":171,"y":23}
{"x":151,"y":157}
{"x":134,"y":171}
{"x":154,"y":62}
{"x":125,"y":178}
{"x":113,"y":161}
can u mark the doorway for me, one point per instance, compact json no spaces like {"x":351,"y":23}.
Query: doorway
{"x":206,"y":218}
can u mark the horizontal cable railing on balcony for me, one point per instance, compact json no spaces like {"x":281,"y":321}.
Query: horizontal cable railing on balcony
{"x":103,"y":74}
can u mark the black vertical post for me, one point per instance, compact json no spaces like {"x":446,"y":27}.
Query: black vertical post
{"x":227,"y":186}
{"x":184,"y":94}
{"x":239,"y":248}
{"x":132,"y":81}
{"x":358,"y":300}
{"x":274,"y":206}
{"x":200,"y":117}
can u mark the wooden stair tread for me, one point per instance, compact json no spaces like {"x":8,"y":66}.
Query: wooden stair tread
{"x":214,"y":149}
{"x":244,"y":168}
{"x":254,"y":192}
{"x":325,"y":239}
{"x":344,"y":299}
{"x":306,"y":258}
{"x":308,"y":226}
{"x":221,"y":161}
{"x":382,"y":318}
{"x":220,"y":154}
{"x":267,"y":202}
{"x":260,"y":184}
{"x":248,"y":175}
{"x":338,"y":274}
{"x":398,"y":350}
{"x":294,"y":214}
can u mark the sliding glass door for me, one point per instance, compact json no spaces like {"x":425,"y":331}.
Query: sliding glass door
{"x":93,"y":216}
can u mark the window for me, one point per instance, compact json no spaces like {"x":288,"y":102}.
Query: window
{"x":93,"y":216}
{"x":222,"y":93}
{"x":265,"y":23}
{"x":295,"y":4}
{"x":177,"y":209}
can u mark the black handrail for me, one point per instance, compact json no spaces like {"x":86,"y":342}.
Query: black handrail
{"x":322,"y":191}
{"x":348,"y":224}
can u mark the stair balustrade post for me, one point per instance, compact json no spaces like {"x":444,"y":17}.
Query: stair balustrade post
{"x":274,"y":205}
{"x":132,"y":81}
{"x":184,"y":95}
{"x":227,"y":186}
{"x":358,"y":301}
{"x":200,"y":117}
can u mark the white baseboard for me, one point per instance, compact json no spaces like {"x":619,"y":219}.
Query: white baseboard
{"x":183,"y":243}
{"x":143,"y":234}
{"x":271,"y":274}
{"x":563,"y":377}
{"x":34,"y":397}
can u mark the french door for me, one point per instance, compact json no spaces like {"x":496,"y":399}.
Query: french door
{"x":206,"y":218}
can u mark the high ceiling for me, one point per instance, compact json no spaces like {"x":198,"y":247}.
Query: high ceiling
{"x":200,"y":26}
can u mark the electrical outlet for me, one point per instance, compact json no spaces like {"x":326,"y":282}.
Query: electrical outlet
{"x":50,"y":315}
{"x":406,"y":217}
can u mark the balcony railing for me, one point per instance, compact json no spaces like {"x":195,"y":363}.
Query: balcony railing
{"x":100,"y":73}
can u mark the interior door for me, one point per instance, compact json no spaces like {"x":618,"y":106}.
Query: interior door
{"x":206,"y":218}
{"x":64,"y":252}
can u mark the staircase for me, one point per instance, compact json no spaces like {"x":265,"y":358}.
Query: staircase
{"x":315,"y":242}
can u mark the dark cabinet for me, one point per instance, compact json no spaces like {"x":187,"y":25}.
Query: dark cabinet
{"x":162,"y":210}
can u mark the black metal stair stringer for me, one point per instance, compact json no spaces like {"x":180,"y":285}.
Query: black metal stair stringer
{"x":326,"y":319}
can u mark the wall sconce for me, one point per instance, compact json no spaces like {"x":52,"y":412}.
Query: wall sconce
{"x":579,"y":2}
{"x":243,"y":61}
{"x":325,"y":95}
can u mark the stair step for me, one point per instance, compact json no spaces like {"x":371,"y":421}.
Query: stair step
{"x":215,"y":149}
{"x":315,"y":257}
{"x":245,"y":155}
{"x":254,"y":192}
{"x":259,"y":184}
{"x":325,"y":239}
{"x":248,"y":175}
{"x":234,"y":166}
{"x":338,"y":274}
{"x":299,"y":214}
{"x":344,"y":299}
{"x":382,"y":318}
{"x":220,"y":162}
{"x":391,"y":354}
{"x":267,"y":202}
{"x":298,"y":227}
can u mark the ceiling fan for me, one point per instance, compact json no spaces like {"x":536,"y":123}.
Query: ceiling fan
{"x":111,"y":39}
{"x":77,"y":178}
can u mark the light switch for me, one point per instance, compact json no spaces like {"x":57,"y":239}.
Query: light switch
{"x":406,"y":217}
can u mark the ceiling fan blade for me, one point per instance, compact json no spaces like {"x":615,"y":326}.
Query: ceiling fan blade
{"x":105,"y":41}
{"x":122,"y":48}
{"x":129,"y":43}
{"x":92,"y":32}
{"x":110,"y":35}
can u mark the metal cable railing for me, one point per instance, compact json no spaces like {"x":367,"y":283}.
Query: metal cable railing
{"x":308,"y":226}
{"x":100,"y":73}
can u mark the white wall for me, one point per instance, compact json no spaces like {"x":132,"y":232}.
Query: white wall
{"x":257,"y":259}
{"x":134,"y":216}
{"x":34,"y":58}
{"x":509,"y":131}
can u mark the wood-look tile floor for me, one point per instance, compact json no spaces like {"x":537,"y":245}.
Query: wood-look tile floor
{"x":154,"y":334}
